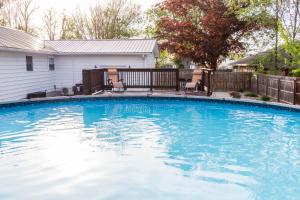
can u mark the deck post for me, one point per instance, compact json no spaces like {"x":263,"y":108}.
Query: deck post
{"x":102,"y":81}
{"x":177,"y":80}
{"x":208,"y":82}
{"x":278,"y":90}
{"x":151,"y":80}
{"x":267,"y":85}
{"x":257,"y":85}
{"x":295,"y":92}
{"x":86,"y":80}
{"x":203,"y":81}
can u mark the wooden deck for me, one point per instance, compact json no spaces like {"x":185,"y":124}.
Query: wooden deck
{"x":145,"y":78}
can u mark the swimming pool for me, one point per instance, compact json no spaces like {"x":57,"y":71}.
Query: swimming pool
{"x":149,"y":149}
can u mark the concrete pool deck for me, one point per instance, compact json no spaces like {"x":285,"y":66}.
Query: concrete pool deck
{"x":221,"y":97}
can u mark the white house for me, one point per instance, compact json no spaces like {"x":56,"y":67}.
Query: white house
{"x":28,"y":64}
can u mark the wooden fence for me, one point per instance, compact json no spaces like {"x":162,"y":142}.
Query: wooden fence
{"x":282,"y":88}
{"x":231,"y":81}
{"x":97,"y":79}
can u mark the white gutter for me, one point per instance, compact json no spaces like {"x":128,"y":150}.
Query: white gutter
{"x":48,"y":52}
{"x":100,"y":53}
{"x":9,"y":49}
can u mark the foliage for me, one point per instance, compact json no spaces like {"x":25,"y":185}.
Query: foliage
{"x":153,"y":16}
{"x":235,"y":95}
{"x":202,"y":30}
{"x":289,"y":18}
{"x":69,"y":30}
{"x":50,"y":21}
{"x":104,"y":20}
{"x":178,"y":62}
{"x":251,"y":94}
{"x":115,"y":19}
{"x":265,"y":98}
{"x":288,"y":55}
{"x":19,"y":14}
{"x":296,"y":72}
{"x":291,"y":47}
{"x":2,"y":20}
{"x":164,"y":59}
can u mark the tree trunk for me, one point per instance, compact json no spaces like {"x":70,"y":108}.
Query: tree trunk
{"x":213,"y":65}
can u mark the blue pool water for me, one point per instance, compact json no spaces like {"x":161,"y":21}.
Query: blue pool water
{"x":149,"y":149}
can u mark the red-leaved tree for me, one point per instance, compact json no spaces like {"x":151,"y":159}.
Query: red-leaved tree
{"x":201,"y":30}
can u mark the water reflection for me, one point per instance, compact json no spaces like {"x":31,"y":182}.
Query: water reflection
{"x":148,"y":150}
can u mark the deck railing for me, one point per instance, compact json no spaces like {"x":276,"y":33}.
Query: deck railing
{"x":284,"y":89}
{"x":173,"y":79}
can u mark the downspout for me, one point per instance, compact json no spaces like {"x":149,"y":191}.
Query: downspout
{"x":73,"y":73}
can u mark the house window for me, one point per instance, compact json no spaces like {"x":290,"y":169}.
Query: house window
{"x":51,"y":64}
{"x":29,"y":63}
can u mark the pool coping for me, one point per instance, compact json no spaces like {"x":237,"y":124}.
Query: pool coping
{"x":153,"y":96}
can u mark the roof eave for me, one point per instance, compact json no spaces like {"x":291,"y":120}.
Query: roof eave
{"x":11,"y":49}
{"x":99,"y":53}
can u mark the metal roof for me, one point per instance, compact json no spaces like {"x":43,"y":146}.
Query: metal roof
{"x":248,"y":60}
{"x":253,"y":60}
{"x":11,"y":39}
{"x":126,"y":46}
{"x":15,"y":40}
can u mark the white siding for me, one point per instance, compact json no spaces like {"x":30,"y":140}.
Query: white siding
{"x":16,"y":82}
{"x":150,"y":61}
{"x":68,"y":69}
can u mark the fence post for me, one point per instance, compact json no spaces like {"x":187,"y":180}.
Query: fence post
{"x":102,"y":82}
{"x":278,"y":90}
{"x":208,"y":82}
{"x":267,"y":85}
{"x":244,"y":81}
{"x":86,"y":80}
{"x":177,"y":80}
{"x":151,"y":80}
{"x":257,"y":85}
{"x":295,"y":92}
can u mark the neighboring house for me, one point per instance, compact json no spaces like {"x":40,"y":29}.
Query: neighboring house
{"x":264,"y":59}
{"x":249,"y":63}
{"x":28,"y":64}
{"x":246,"y":64}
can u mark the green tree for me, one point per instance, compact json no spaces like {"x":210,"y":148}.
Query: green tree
{"x":113,"y":19}
{"x":291,"y":48}
{"x":204,"y":31}
{"x":69,"y":30}
{"x":18,"y":14}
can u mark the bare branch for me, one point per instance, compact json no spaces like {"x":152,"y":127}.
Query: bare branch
{"x":26,"y":10}
{"x":51,"y":20}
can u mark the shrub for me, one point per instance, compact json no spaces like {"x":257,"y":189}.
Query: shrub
{"x":251,"y":94}
{"x":296,"y":72}
{"x":235,"y":95}
{"x":265,"y":98}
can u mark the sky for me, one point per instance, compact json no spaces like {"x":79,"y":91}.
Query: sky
{"x":70,"y":5}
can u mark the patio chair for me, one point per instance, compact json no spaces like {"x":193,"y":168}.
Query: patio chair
{"x":113,"y":80}
{"x":78,"y":89}
{"x":196,"y":81}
